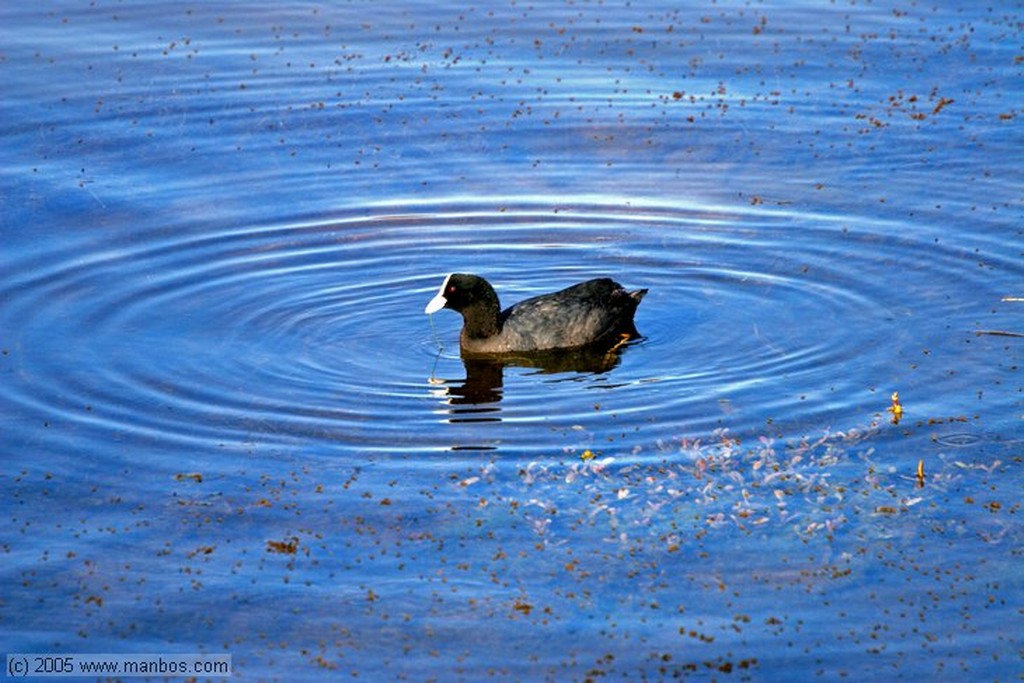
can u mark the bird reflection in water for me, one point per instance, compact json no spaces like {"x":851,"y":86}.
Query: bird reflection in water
{"x":474,"y":398}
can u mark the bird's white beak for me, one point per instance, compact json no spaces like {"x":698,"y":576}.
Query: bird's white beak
{"x":436,"y":304}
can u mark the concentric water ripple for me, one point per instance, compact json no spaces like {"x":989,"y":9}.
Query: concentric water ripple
{"x":312,"y":333}
{"x":227,"y":424}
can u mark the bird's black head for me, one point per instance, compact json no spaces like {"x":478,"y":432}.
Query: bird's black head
{"x":462,"y":291}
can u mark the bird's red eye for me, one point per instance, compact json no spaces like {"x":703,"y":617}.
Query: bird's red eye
{"x":451,"y":289}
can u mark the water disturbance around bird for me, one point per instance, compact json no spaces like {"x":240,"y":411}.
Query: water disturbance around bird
{"x":228,"y":424}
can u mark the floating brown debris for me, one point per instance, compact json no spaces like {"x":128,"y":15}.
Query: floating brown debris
{"x":289,"y":547}
{"x":999,"y":333}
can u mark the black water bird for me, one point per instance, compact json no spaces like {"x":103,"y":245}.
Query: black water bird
{"x":595,"y":313}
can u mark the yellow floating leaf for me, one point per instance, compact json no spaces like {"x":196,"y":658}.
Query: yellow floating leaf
{"x":896,"y":408}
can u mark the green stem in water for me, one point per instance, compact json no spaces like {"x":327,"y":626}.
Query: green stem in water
{"x":440,"y":350}
{"x":440,"y":346}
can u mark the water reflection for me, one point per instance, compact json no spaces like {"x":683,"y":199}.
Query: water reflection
{"x":219,"y":226}
{"x":484,"y":380}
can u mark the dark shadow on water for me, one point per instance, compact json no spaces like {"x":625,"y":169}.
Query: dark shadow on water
{"x":474,"y":398}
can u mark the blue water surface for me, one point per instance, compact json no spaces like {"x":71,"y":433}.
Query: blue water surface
{"x":228,"y":426}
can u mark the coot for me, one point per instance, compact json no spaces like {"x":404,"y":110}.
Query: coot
{"x":594,"y":312}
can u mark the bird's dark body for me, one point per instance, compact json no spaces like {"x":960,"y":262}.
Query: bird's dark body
{"x":594,"y":312}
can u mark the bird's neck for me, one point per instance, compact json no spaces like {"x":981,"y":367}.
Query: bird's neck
{"x":482,"y":315}
{"x":481,"y":320}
